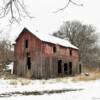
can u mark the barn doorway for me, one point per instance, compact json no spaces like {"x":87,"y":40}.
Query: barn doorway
{"x":70,"y":68}
{"x":80,"y":68}
{"x":59,"y":66}
{"x":65,"y":69}
{"x":28,"y":61}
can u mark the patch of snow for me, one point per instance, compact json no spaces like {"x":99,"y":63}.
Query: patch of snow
{"x":10,"y":67}
{"x":91,"y":89}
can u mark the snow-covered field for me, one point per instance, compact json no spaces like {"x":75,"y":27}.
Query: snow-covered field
{"x":89,"y":90}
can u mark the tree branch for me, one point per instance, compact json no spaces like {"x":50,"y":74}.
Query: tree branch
{"x":12,"y":6}
{"x":67,"y":4}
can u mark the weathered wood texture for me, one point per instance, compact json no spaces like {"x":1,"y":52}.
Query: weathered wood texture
{"x":44,"y":61}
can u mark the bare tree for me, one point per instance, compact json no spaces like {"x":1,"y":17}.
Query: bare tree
{"x":84,"y":37}
{"x":6,"y":54}
{"x":14,"y":8}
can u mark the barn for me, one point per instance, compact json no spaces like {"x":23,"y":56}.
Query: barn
{"x":39,"y":55}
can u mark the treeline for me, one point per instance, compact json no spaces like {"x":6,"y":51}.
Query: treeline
{"x":85,"y":38}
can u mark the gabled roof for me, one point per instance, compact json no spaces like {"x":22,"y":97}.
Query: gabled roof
{"x":50,"y":38}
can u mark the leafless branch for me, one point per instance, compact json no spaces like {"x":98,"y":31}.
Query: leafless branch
{"x":15,"y":8}
{"x":67,"y":4}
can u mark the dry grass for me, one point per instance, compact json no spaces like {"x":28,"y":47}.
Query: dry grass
{"x":24,"y":81}
{"x":13,"y":82}
{"x":92,"y":76}
{"x":20,"y":81}
{"x":14,"y":79}
{"x":94,"y":73}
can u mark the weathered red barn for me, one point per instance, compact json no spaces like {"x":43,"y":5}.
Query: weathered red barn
{"x":44,"y":56}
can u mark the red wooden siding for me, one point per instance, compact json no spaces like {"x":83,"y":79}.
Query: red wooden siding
{"x":44,"y":60}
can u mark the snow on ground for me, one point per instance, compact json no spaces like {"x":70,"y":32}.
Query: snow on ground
{"x":10,"y":67}
{"x":90,"y":89}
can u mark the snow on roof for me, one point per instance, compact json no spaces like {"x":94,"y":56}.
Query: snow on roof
{"x":55,"y":40}
{"x":49,"y":38}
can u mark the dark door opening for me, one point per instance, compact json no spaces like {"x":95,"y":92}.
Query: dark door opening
{"x":70,"y":68}
{"x":80,"y":68}
{"x":65,"y":69}
{"x":59,"y":66}
{"x":29,"y":62}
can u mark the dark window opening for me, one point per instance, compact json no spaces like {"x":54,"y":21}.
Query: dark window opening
{"x":54,"y":49}
{"x":70,"y":68}
{"x":59,"y":66}
{"x":70,"y":52}
{"x":65,"y":68}
{"x":29,"y":63}
{"x":26,"y":43}
{"x":28,"y":54}
{"x":80,"y":68}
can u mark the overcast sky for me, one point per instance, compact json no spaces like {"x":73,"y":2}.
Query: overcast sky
{"x":48,"y":22}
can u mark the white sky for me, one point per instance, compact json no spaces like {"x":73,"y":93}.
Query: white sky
{"x":48,"y":22}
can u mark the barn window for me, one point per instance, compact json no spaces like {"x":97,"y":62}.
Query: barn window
{"x":70,"y":51}
{"x":26,"y":43}
{"x":54,"y":49}
{"x":28,"y":54}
